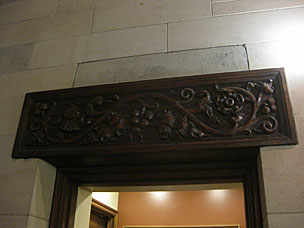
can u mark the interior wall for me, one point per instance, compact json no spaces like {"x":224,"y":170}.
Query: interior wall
{"x":205,"y":207}
{"x":108,"y":198}
{"x":53,"y":44}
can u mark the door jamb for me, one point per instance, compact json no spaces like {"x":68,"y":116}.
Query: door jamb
{"x":65,"y":193}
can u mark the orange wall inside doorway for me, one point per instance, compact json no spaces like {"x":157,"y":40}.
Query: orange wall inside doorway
{"x":205,"y":207}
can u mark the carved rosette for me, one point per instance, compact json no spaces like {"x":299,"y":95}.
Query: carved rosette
{"x":176,"y":114}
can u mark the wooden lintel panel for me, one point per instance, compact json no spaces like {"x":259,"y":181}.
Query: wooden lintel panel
{"x":240,"y":109}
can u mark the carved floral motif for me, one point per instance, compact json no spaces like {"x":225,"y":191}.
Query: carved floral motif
{"x":176,"y":114}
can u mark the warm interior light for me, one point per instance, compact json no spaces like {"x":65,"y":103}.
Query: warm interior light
{"x":291,"y":47}
{"x":218,"y":195}
{"x":159,"y":195}
{"x":108,"y":198}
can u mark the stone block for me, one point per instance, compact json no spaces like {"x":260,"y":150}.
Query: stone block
{"x":218,"y":1}
{"x":75,"y":6}
{"x":10,"y":111}
{"x":118,"y":14}
{"x":232,"y":7}
{"x":67,"y":25}
{"x":60,"y":26}
{"x":19,"y":83}
{"x":15,"y":58}
{"x":234,"y":29}
{"x":24,"y":10}
{"x":13,"y":87}
{"x":34,"y":222}
{"x":10,"y":166}
{"x":43,"y":191}
{"x":162,"y":66}
{"x":106,"y":45}
{"x":58,"y":52}
{"x":286,"y":220}
{"x":127,"y":42}
{"x":2,"y":2}
{"x":19,"y":184}
{"x":13,"y":221}
{"x":282,"y":172}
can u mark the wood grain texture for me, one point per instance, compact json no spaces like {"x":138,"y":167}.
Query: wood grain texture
{"x":64,"y":203}
{"x":237,"y":109}
{"x":108,"y":214}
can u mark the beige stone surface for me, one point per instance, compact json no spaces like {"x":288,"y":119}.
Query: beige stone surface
{"x":60,"y":26}
{"x":286,"y":220}
{"x":58,"y":52}
{"x":10,"y":166}
{"x":266,"y":55}
{"x":127,"y":42}
{"x":30,"y":179}
{"x":34,"y":222}
{"x":15,"y":58}
{"x":13,"y":221}
{"x":283,"y":170}
{"x":162,"y":65}
{"x":21,"y":33}
{"x":19,"y":184}
{"x":75,"y":6}
{"x":217,"y":1}
{"x":83,"y":208}
{"x":234,"y":29}
{"x":2,"y":2}
{"x":10,"y":111}
{"x":25,"y":10}
{"x":67,"y":25}
{"x":43,"y":190}
{"x":232,"y":7}
{"x":117,"y":14}
{"x":286,"y":55}
{"x":36,"y":80}
{"x":106,"y":45}
{"x":13,"y":87}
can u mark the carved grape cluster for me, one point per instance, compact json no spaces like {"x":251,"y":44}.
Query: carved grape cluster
{"x":140,"y":119}
{"x":269,"y":106}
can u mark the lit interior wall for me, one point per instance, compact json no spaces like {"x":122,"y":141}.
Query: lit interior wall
{"x":205,"y":207}
{"x":108,"y":198}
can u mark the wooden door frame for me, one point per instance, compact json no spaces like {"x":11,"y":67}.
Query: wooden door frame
{"x":243,"y":167}
{"x":106,"y":211}
{"x":201,"y":129}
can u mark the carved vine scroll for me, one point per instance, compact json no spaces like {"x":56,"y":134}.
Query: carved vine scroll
{"x":234,"y":109}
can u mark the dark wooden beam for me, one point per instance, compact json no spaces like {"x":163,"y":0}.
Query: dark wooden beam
{"x":229,"y":110}
{"x":64,"y":203}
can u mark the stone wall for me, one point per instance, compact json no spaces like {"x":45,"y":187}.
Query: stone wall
{"x":52,"y":44}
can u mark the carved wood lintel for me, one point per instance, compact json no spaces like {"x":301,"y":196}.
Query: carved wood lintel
{"x":208,"y":111}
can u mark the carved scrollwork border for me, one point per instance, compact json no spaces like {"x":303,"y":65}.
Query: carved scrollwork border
{"x":208,"y":111}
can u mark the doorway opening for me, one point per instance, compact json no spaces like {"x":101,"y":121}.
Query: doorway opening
{"x":211,"y":205}
{"x":186,"y":168}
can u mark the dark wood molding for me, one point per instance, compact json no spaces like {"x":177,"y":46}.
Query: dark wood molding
{"x":64,"y":203}
{"x":238,"y":166}
{"x":237,"y":109}
{"x":111,"y":214}
{"x":103,"y":209}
